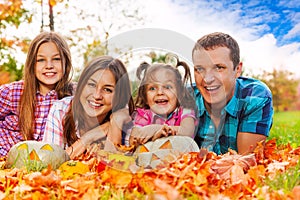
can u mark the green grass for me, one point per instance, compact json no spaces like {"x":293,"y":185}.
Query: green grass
{"x":286,"y":128}
{"x":285,"y":181}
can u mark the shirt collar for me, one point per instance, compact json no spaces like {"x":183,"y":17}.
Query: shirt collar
{"x":230,"y":108}
{"x":174,"y":114}
{"x":143,"y":112}
{"x":50,"y":93}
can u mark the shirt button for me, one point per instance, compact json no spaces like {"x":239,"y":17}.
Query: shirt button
{"x":210,"y":126}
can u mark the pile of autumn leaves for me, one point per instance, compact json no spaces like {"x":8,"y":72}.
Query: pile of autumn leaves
{"x":202,"y":175}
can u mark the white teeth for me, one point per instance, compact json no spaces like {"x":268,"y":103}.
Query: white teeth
{"x":161,"y":101}
{"x":49,"y":74}
{"x":211,"y":88}
{"x":94,"y":104}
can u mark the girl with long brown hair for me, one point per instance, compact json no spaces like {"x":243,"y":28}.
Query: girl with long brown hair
{"x":24,"y":104}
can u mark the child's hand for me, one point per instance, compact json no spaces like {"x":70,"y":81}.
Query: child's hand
{"x":141,"y":135}
{"x":165,"y":131}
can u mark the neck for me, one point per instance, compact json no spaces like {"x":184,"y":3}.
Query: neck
{"x":214,"y":109}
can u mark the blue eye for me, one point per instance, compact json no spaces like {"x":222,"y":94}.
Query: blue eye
{"x":168,"y":87}
{"x":198,"y":69}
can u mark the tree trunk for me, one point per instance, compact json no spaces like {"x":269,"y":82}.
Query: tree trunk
{"x":51,"y":17}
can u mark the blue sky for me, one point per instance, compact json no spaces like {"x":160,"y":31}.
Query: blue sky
{"x":268,"y":31}
{"x":279,"y":17}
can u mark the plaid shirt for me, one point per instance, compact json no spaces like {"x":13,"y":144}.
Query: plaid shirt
{"x":54,"y":126}
{"x":249,"y":110}
{"x":10,"y":95}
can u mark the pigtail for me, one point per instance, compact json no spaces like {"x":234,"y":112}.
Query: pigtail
{"x":140,"y":100}
{"x":185,"y":98}
{"x":187,"y":75}
{"x":142,"y":69}
{"x":173,"y":60}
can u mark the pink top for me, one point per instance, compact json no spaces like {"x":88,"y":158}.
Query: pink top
{"x":143,"y":117}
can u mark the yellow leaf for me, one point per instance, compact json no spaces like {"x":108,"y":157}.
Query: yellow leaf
{"x":200,"y":179}
{"x":71,"y":168}
{"x":52,"y":2}
{"x":121,"y":161}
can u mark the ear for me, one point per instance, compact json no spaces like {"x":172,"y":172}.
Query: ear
{"x":239,"y":69}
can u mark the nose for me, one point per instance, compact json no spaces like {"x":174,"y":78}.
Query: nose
{"x":160,"y":90}
{"x":98,"y":94}
{"x":49,"y":64}
{"x":208,"y":77}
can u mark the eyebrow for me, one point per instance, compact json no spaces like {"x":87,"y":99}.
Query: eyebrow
{"x":106,"y":85}
{"x":42,"y":55}
{"x":197,"y":65}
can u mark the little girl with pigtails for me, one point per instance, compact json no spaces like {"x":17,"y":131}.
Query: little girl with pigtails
{"x":163,"y":106}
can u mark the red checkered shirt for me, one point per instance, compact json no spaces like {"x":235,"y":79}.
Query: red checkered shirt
{"x":10,"y":95}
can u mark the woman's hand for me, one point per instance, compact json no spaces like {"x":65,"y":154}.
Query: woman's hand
{"x":117,"y":120}
{"x":98,"y":133}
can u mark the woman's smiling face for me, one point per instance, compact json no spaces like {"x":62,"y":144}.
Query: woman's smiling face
{"x":97,"y":95}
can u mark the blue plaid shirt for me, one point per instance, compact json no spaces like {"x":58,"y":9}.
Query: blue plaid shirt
{"x":249,"y":110}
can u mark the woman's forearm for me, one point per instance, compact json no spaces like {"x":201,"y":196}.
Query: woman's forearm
{"x":78,"y":147}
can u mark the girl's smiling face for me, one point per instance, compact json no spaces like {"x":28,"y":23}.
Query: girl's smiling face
{"x":161,"y":92}
{"x":48,"y":68}
{"x":97,"y":95}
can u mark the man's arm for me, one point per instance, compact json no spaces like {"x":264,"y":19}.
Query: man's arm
{"x":246,"y":142}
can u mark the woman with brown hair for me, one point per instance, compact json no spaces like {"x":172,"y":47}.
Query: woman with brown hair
{"x":98,"y":108}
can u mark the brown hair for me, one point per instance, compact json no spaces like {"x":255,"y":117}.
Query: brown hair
{"x":218,"y":39}
{"x":122,"y":95}
{"x":31,"y":83}
{"x":146,"y":71}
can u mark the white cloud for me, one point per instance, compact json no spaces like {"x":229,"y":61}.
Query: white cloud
{"x":259,"y":52}
{"x":263,"y":54}
{"x":293,"y":32}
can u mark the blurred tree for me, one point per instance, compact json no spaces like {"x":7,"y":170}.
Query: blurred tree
{"x":86,"y":30}
{"x":157,"y":57}
{"x":13,"y":14}
{"x":92,"y":39}
{"x":51,"y":4}
{"x":284,"y":88}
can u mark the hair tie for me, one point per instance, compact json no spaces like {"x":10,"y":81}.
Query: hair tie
{"x":172,"y":59}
